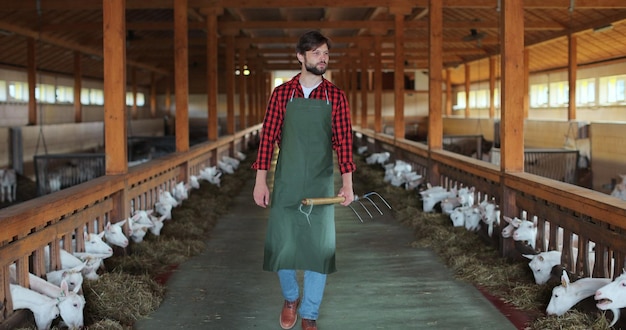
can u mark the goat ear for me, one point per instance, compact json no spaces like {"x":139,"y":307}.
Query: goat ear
{"x":101,"y":234}
{"x":64,"y":287}
{"x":529,"y":256}
{"x":564,"y":279}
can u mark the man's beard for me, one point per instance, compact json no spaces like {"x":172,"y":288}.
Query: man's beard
{"x":314,"y":70}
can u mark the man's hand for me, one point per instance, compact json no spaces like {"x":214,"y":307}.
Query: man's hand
{"x":261,"y":192}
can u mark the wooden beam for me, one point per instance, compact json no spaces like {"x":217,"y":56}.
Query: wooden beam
{"x":167,"y":4}
{"x":181,"y":75}
{"x":115,"y":126}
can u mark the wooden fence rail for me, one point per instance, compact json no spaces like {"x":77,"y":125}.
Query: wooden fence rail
{"x":55,"y":220}
{"x":594,"y":217}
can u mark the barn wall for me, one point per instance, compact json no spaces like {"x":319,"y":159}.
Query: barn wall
{"x":470,"y":126}
{"x":607,"y":153}
{"x":62,"y":138}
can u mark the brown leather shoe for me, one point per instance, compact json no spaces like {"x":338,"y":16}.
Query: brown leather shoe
{"x":289,"y":315}
{"x":309,"y":324}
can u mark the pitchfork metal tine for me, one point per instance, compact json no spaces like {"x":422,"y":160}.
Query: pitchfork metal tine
{"x":379,"y":196}
{"x":376,"y":206}
{"x":366,"y":210}
{"x":355,"y":212}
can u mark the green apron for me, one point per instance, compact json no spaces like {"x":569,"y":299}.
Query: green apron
{"x":304,"y":169}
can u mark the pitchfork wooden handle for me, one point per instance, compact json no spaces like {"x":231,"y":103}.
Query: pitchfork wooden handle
{"x":323,"y":200}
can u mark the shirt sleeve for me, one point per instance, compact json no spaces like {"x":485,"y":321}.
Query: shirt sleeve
{"x":342,"y":133}
{"x":270,"y":131}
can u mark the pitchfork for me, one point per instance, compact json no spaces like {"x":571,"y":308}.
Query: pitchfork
{"x":310,"y":202}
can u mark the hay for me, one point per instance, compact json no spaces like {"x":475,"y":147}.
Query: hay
{"x":121,"y":297}
{"x":128,"y":291}
{"x":470,"y":258}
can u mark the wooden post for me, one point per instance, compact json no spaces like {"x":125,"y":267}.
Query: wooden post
{"x":468,"y":83}
{"x":230,"y":81}
{"x":364,"y":84}
{"x":492,"y":87}
{"x":242,"y":88}
{"x":399,"y":13}
{"x":32,"y":81}
{"x":181,"y":74}
{"x":512,"y":100}
{"x":378,"y":85}
{"x":212,"y":59}
{"x":78,"y":106}
{"x":153,"y":94}
{"x":435,"y":67}
{"x":133,"y":91}
{"x":448,"y":92}
{"x":115,"y":130}
{"x":572,"y":67}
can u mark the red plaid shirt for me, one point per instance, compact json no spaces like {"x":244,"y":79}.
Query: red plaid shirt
{"x":275,"y":113}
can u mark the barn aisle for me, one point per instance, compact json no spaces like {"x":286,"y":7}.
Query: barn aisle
{"x":382,"y":281}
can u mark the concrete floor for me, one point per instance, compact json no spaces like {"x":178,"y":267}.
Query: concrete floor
{"x":382,"y":282}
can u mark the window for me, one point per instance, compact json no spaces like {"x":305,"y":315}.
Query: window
{"x":539,"y":96}
{"x":3,"y":91}
{"x":559,"y":94}
{"x":18,"y":91}
{"x":65,"y":94}
{"x":586,"y":91}
{"x":141,"y":101}
{"x":96,"y":96}
{"x":611,"y":90}
{"x":460,"y":101}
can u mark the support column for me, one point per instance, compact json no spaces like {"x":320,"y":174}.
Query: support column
{"x":378,"y":86}
{"x":448,"y":92}
{"x":230,"y":81}
{"x":492,"y":87}
{"x":211,"y":75}
{"x":32,"y":81}
{"x":78,"y":106}
{"x":242,"y":88}
{"x":364,"y":84}
{"x":153,"y":95}
{"x":512,"y":101}
{"x":435,"y":67}
{"x":114,"y":55}
{"x":572,"y":73}
{"x":399,"y":12}
{"x":181,"y":74}
{"x":468,"y":83}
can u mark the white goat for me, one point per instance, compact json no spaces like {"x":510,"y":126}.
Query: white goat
{"x":164,"y":209}
{"x":566,"y":295}
{"x":613,"y":295}
{"x":211,"y":174}
{"x":44,"y":308}
{"x":166,"y":197}
{"x":513,"y":223}
{"x":432,"y":196}
{"x":180,"y":192}
{"x":541,"y":264}
{"x":114,"y":234}
{"x":193,"y":182}
{"x":8,"y":185}
{"x":69,"y":261}
{"x":225,"y":167}
{"x":72,"y":276}
{"x":378,"y":158}
{"x":69,"y":303}
{"x":94,"y":244}
{"x":619,"y":190}
{"x":472,"y":218}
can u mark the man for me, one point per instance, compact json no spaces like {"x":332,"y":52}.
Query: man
{"x":307,"y":117}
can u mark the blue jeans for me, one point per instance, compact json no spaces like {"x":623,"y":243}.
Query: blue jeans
{"x":313,"y":291}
